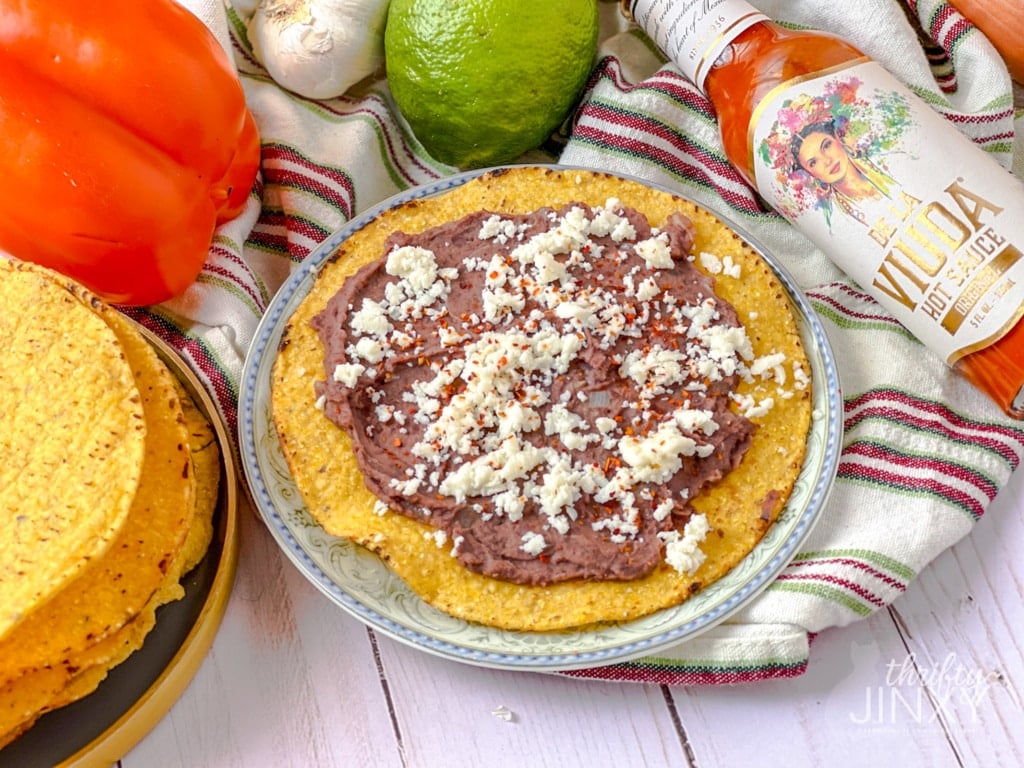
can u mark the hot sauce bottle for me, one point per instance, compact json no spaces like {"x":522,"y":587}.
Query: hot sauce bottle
{"x":921,"y":217}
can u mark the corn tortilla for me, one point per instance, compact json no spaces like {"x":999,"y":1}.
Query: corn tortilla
{"x":112,"y":589}
{"x":63,"y":649}
{"x":740,"y":508}
{"x":205,"y":456}
{"x":72,"y":437}
{"x":43,"y":689}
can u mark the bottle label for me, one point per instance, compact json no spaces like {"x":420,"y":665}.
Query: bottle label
{"x":919,"y":216}
{"x":693,"y":33}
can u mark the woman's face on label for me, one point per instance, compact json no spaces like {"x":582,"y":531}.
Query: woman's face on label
{"x":824,"y":157}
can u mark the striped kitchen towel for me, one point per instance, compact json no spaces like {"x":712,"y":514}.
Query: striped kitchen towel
{"x":924,"y":454}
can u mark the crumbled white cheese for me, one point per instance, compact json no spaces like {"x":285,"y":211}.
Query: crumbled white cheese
{"x":621,"y":527}
{"x":562,"y":422}
{"x":800,"y":377}
{"x":456,"y":544}
{"x":607,"y":222}
{"x":694,"y":420}
{"x":503,"y":713}
{"x":448,"y":336}
{"x":497,"y":228}
{"x":348,"y":373}
{"x":715,"y":265}
{"x":683,"y":553}
{"x":370,"y":319}
{"x":664,"y":509}
{"x":497,"y":302}
{"x":479,"y":411}
{"x":510,"y":503}
{"x":752,"y":408}
{"x":533,"y":543}
{"x":731,"y":268}
{"x":417,"y":266}
{"x":370,"y":350}
{"x":648,"y":289}
{"x":655,"y":251}
{"x":770,"y":366}
{"x":439,"y":537}
{"x":655,"y":457}
{"x":655,"y":368}
{"x":710,"y":262}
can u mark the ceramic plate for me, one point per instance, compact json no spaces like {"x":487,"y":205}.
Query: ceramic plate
{"x":99,"y":729}
{"x":360,"y":583}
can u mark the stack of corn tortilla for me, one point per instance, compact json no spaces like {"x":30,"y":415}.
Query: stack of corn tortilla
{"x":108,"y":484}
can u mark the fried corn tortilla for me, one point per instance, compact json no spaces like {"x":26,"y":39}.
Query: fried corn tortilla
{"x":43,"y":689}
{"x":112,"y":589}
{"x":46,"y":688}
{"x":72,"y":437}
{"x":205,"y":455}
{"x":739,"y":508}
{"x":63,"y":649}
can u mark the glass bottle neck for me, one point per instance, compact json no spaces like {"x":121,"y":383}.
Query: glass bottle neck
{"x":694,"y":33}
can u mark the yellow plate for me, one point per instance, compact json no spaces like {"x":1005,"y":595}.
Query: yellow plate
{"x":101,"y":728}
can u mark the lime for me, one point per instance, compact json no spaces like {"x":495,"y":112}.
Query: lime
{"x":482,"y":81}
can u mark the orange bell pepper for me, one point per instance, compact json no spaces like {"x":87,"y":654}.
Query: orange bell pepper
{"x":124,"y":140}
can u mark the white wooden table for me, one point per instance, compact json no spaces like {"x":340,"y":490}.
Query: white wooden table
{"x":937,"y":679}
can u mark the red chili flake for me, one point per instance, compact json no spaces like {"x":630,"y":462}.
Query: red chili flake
{"x":398,"y":442}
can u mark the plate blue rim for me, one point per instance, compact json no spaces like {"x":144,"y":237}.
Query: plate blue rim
{"x":257,"y":365}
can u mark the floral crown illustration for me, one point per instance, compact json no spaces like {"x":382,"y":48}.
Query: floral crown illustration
{"x":867,"y":126}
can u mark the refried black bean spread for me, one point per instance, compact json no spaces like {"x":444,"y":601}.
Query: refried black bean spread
{"x":548,"y":391}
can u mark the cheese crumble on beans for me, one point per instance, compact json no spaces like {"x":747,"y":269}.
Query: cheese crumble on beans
{"x":549,"y":389}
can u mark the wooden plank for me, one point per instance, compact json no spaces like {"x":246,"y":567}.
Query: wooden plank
{"x":450,"y":717}
{"x":961,"y":620}
{"x":291,"y":680}
{"x":838,"y":713}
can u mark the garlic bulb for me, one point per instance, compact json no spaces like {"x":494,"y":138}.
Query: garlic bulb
{"x":319,"y":48}
{"x":244,"y":8}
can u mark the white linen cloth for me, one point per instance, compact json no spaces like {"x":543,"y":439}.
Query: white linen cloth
{"x":924,"y":453}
